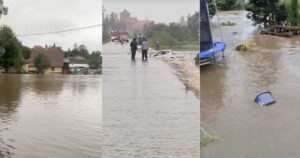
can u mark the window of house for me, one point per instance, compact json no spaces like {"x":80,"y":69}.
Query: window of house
{"x":52,"y":68}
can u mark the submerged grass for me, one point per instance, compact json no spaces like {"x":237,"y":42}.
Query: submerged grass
{"x":205,"y":138}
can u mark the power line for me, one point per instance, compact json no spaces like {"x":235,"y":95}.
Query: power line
{"x":60,"y":31}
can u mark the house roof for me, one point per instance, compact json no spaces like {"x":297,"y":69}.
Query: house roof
{"x":78,"y":60}
{"x":53,"y":54}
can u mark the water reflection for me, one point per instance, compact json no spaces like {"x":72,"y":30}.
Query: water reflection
{"x":212,"y":88}
{"x":234,"y":117}
{"x":45,"y":85}
{"x":10,"y":95}
{"x":50,"y":116}
{"x":11,"y":89}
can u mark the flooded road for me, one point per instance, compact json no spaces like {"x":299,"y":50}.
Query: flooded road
{"x":147,"y":111}
{"x":228,"y":111}
{"x":53,"y":116}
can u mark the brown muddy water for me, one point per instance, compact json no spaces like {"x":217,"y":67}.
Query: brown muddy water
{"x":228,"y":111}
{"x":53,"y":116}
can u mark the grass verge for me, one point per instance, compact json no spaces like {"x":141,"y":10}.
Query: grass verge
{"x":205,"y":138}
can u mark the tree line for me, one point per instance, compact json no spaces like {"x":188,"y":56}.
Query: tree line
{"x":14,"y":55}
{"x":94,"y":58}
{"x":111,"y":22}
{"x":262,"y":12}
{"x":174,"y":34}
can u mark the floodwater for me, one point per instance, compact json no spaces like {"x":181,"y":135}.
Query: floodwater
{"x":53,"y":116}
{"x":228,"y":111}
{"x":147,"y":110}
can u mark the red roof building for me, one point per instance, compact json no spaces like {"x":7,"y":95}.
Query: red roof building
{"x":54,"y":55}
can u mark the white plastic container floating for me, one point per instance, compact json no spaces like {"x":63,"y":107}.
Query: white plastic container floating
{"x":265,"y":98}
{"x":164,"y":53}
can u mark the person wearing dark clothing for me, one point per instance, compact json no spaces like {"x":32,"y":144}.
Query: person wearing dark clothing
{"x":133,"y":46}
{"x":145,"y":48}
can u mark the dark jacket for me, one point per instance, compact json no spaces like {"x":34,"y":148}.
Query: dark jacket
{"x":133,"y":45}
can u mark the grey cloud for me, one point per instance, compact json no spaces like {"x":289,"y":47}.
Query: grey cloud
{"x":158,"y":11}
{"x":35,"y":16}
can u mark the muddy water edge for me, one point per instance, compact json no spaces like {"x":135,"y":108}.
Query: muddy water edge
{"x":228,"y":111}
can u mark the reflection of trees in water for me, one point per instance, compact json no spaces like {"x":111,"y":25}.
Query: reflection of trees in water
{"x":10,"y":93}
{"x":10,"y":96}
{"x":81,"y":84}
{"x":47,"y":84}
{"x":264,"y":71}
{"x":211,"y":90}
{"x":78,"y":87}
{"x":263,"y":63}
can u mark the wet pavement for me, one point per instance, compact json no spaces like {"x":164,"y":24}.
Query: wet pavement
{"x":55,"y":116}
{"x":228,"y":111}
{"x":147,"y":111}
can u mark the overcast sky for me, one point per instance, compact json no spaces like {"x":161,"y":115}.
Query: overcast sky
{"x":35,"y":16}
{"x":164,"y":11}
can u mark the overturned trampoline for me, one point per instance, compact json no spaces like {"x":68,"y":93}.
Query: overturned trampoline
{"x":210,"y":51}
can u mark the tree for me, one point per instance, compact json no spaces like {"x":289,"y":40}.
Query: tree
{"x":80,"y":50}
{"x":224,"y":5}
{"x":182,"y":21}
{"x":211,"y":8}
{"x":12,"y":56}
{"x":266,"y":12}
{"x":3,"y":9}
{"x":41,"y":63}
{"x":229,"y":4}
{"x":26,"y":51}
{"x":193,"y":25}
{"x":293,"y":15}
{"x":95,"y":60}
{"x":164,"y":38}
{"x":83,"y":51}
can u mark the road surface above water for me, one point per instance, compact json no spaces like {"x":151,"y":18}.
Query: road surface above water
{"x":147,"y":111}
{"x":228,"y":111}
{"x":55,"y":116}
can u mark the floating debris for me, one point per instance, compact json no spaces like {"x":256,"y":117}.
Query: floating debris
{"x":264,"y":99}
{"x":246,"y":46}
{"x":228,"y":23}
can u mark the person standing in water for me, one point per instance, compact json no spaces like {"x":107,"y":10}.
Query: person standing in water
{"x":145,"y":48}
{"x":133,"y":46}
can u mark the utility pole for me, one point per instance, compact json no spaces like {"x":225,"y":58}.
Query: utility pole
{"x":103,"y":17}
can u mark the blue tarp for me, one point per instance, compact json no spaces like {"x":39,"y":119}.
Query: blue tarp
{"x":218,"y":48}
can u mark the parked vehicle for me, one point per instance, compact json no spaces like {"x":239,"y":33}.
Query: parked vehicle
{"x":124,"y":36}
{"x":114,"y":36}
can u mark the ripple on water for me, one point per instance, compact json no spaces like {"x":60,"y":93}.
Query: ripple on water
{"x":50,"y":116}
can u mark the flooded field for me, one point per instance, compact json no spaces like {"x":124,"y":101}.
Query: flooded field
{"x":147,"y":110}
{"x":53,"y":116}
{"x":228,"y":111}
